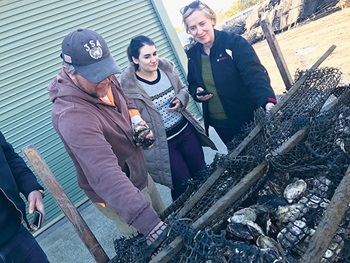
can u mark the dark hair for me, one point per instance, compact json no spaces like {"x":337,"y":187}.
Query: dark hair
{"x":136,"y":44}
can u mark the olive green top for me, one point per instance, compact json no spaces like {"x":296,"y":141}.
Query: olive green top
{"x":215,"y":109}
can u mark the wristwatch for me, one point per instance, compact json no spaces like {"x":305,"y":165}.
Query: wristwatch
{"x":41,"y":192}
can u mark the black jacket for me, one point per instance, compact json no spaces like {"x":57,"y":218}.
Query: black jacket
{"x":241,"y":80}
{"x":15,"y":177}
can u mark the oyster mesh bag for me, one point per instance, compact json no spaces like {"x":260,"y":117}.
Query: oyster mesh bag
{"x":274,"y":218}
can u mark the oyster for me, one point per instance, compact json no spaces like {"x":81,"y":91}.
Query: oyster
{"x":292,"y":234}
{"x":314,"y":202}
{"x":254,"y":228}
{"x":294,"y":190}
{"x":272,"y":201}
{"x":243,"y":215}
{"x":264,"y":242}
{"x":238,"y":231}
{"x":140,"y":133}
{"x":334,"y":250}
{"x":321,"y":186}
{"x":289,"y":212}
{"x":242,"y":226}
{"x":271,"y":247}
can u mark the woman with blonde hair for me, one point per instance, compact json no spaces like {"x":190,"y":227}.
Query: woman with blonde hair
{"x":224,"y":74}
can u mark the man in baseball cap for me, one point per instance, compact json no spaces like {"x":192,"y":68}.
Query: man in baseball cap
{"x":88,"y":52}
{"x":94,"y":119}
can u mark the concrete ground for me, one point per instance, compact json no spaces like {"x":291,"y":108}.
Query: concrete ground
{"x":62,"y":244}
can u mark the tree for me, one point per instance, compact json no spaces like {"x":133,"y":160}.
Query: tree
{"x":237,"y":7}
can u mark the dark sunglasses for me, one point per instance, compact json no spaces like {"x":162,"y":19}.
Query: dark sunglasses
{"x":192,"y":5}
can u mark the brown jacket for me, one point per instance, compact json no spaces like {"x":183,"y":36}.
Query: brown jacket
{"x":98,"y":138}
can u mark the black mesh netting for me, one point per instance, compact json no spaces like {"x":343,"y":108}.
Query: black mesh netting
{"x":303,"y":151}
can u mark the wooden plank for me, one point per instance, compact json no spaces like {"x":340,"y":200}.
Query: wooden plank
{"x":293,"y":141}
{"x":231,"y":196}
{"x":277,"y":53}
{"x":169,"y":251}
{"x":329,"y":223}
{"x":65,"y":204}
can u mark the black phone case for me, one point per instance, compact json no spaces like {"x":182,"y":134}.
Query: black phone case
{"x":202,"y":93}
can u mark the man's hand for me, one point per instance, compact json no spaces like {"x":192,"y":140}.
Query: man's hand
{"x":155,"y":232}
{"x":150,"y":139}
{"x":156,"y":237}
{"x":36,"y":203}
{"x":143,"y":136}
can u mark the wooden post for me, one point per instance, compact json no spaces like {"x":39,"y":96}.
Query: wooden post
{"x":277,"y":54}
{"x":65,"y":204}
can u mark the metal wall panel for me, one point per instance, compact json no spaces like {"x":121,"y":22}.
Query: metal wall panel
{"x":31,"y":34}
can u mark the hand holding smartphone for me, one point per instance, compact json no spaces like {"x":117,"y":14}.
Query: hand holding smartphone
{"x":37,"y":221}
{"x":172,"y":103}
{"x":203,"y":93}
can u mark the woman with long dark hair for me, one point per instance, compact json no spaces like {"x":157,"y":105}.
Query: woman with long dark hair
{"x":161,"y":97}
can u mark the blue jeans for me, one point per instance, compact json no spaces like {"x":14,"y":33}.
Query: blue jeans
{"x":22,"y":247}
{"x":186,"y":159}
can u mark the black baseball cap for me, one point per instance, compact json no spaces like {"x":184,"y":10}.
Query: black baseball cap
{"x":88,"y":52}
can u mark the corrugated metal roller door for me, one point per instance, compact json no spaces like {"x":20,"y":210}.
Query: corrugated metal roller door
{"x":31,"y":34}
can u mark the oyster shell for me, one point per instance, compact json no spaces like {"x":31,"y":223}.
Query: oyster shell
{"x":272,"y":201}
{"x":254,"y":228}
{"x":289,"y":212}
{"x":243,"y":215}
{"x":140,"y":133}
{"x":292,"y":234}
{"x":244,"y":232}
{"x":271,"y":246}
{"x":265,"y":242}
{"x":294,"y":190}
{"x":334,"y":250}
{"x":314,"y":202}
{"x":321,"y":186}
{"x":239,"y":232}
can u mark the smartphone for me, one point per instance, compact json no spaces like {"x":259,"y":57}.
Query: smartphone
{"x":172,"y":104}
{"x":203,"y":93}
{"x":37,"y":221}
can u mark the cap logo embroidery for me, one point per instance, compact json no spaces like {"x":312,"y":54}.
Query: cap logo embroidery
{"x":67,"y":58}
{"x":94,"y":49}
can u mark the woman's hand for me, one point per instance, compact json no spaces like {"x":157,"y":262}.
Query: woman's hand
{"x":269,"y":106}
{"x":175,"y":105}
{"x":203,"y":97}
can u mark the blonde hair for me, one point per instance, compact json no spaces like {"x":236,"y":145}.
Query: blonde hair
{"x":208,"y":12}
